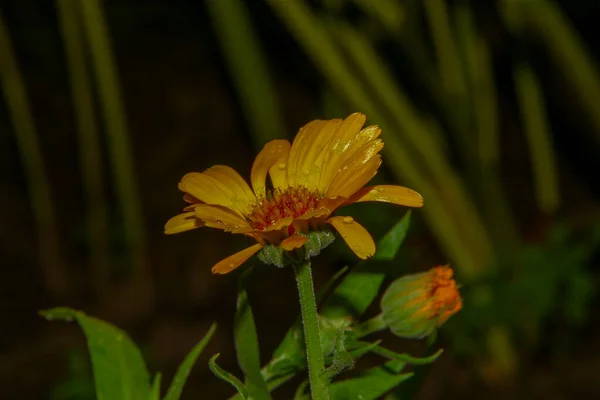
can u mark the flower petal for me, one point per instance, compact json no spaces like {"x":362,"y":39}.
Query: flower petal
{"x":293,"y":242}
{"x":357,"y":171}
{"x":273,"y":155}
{"x":182,"y":222}
{"x":308,"y":151}
{"x":233,"y":181}
{"x":220,"y":217}
{"x":219,"y":185}
{"x":348,"y":139}
{"x":389,"y":194}
{"x":358,"y":238}
{"x":232,"y":262}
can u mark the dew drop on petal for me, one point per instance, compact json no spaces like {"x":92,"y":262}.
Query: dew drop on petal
{"x":281,"y":166}
{"x":219,"y":221}
{"x":348,"y":220}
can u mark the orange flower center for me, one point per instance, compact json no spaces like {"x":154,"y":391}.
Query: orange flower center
{"x":293,"y":202}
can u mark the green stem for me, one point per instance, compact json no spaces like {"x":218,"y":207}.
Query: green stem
{"x":372,"y":325}
{"x":312,"y":336}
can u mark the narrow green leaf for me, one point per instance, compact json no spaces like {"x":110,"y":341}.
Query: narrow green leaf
{"x":248,"y":67}
{"x":90,"y":157}
{"x":406,"y":358}
{"x":119,"y":370}
{"x":299,"y":394}
{"x":538,"y":134}
{"x":174,"y":392}
{"x":117,"y":133}
{"x":155,"y":391}
{"x":246,"y":345}
{"x":358,"y":289}
{"x":390,"y":243}
{"x":227,"y":377}
{"x":373,"y":384}
{"x":19,"y":112}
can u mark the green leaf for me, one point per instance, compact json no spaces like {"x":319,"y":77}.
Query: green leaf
{"x":227,"y":377}
{"x":358,"y":289}
{"x":246,"y":345}
{"x":390,"y":243}
{"x":174,"y":392}
{"x":403,"y":357}
{"x":155,"y":391}
{"x":372,"y":384}
{"x":119,"y":370}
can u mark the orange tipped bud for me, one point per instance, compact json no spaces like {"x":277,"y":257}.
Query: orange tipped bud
{"x":415,"y":305}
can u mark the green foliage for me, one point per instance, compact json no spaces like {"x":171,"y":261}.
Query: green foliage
{"x":119,"y":370}
{"x":358,"y":289}
{"x":227,"y":377}
{"x":174,"y":392}
{"x":246,"y":345}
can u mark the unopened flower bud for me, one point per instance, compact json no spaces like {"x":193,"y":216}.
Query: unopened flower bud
{"x":415,"y":305}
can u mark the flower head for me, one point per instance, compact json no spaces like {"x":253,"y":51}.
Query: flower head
{"x":325,"y":168}
{"x":414,"y":305}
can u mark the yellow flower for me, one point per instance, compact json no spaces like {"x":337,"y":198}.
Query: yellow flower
{"x":326,"y":167}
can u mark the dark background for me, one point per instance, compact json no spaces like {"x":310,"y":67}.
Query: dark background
{"x":183,"y":113}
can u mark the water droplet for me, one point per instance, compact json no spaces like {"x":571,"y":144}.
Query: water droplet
{"x":219,"y":221}
{"x":348,"y":220}
{"x":231,"y":265}
{"x":282,"y":166}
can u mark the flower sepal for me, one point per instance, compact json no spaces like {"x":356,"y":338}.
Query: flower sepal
{"x":310,"y":245}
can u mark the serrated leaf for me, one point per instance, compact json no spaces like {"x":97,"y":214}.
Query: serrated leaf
{"x":371,"y":385}
{"x":155,"y":391}
{"x":176,"y":387}
{"x":227,"y":377}
{"x":119,"y":370}
{"x":358,"y":289}
{"x":246,"y":345}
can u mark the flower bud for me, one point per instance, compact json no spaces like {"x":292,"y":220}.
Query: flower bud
{"x":415,"y":305}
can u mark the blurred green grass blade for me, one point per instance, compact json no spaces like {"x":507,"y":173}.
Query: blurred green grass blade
{"x":564,"y":45}
{"x":538,"y":134}
{"x":119,"y":370}
{"x":247,"y":346}
{"x":390,"y":13}
{"x":227,"y":377}
{"x":19,"y":112}
{"x":176,"y":387}
{"x":310,"y":33}
{"x":116,"y":128}
{"x":248,"y":68}
{"x":480,"y":79}
{"x":89,"y":146}
{"x":445,"y":47}
{"x":456,"y":102}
